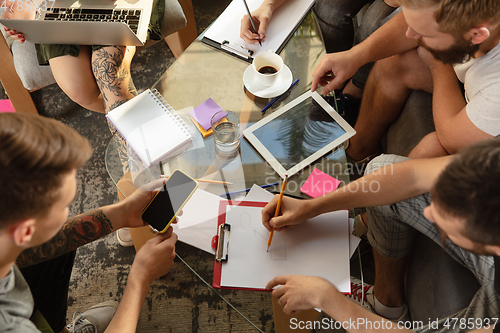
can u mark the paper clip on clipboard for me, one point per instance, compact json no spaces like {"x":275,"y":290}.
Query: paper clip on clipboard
{"x":238,"y":50}
{"x":221,"y":254}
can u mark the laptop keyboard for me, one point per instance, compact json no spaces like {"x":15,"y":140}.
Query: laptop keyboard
{"x":129,"y":16}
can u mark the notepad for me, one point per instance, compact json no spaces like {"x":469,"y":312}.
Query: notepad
{"x":150,"y":126}
{"x":203,"y":113}
{"x":319,"y":183}
{"x":224,"y":33}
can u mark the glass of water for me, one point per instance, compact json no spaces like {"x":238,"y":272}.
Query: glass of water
{"x":226,"y":133}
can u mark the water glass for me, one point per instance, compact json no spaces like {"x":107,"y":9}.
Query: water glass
{"x":226,"y":133}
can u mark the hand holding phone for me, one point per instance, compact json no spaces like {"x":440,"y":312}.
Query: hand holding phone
{"x":168,"y":202}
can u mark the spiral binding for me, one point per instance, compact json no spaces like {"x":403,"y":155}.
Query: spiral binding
{"x":177,"y":119}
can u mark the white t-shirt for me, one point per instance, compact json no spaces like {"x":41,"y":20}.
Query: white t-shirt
{"x":481,"y":78}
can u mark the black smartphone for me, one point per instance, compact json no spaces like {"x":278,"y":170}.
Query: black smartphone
{"x":167,"y":203}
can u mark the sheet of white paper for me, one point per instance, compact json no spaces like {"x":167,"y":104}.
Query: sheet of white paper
{"x":201,"y":207}
{"x":199,"y":235}
{"x":353,"y":240}
{"x":285,"y":19}
{"x":318,"y":247}
{"x":259,"y":194}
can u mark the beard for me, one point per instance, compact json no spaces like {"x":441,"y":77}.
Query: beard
{"x":458,"y":53}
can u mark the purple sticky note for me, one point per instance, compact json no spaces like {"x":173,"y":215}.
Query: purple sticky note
{"x":203,"y":113}
{"x":6,"y":106}
{"x":319,"y":183}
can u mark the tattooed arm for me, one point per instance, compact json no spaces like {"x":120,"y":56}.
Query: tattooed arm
{"x":87,"y":227}
{"x":77,"y":231}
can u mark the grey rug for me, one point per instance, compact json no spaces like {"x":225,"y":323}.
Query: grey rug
{"x":178,"y":302}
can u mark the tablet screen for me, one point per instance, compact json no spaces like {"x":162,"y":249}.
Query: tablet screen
{"x":299,"y":133}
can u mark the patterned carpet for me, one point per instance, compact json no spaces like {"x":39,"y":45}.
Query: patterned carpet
{"x":179,"y":302}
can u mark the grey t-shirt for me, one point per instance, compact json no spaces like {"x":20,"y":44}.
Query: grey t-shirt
{"x":481,"y":78}
{"x":16,"y":304}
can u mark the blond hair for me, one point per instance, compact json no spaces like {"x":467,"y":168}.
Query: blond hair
{"x":456,"y":17}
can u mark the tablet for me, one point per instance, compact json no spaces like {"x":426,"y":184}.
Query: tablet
{"x":298,"y":134}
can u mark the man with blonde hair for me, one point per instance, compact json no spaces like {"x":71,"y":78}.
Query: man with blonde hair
{"x":39,"y":158}
{"x":438,"y":46}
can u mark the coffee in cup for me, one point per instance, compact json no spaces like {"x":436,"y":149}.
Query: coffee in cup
{"x":267,"y":67}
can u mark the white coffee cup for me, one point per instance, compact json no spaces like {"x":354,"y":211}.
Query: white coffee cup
{"x":267,"y":67}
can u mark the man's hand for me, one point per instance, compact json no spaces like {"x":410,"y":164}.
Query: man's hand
{"x":19,"y":10}
{"x":293,"y":211}
{"x":299,"y":292}
{"x":156,"y":257}
{"x":128,"y":212}
{"x":431,"y":62}
{"x":333,"y":70}
{"x":261,"y":18}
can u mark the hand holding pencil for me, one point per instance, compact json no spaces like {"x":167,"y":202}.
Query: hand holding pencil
{"x":277,"y":211}
{"x":261,"y":18}
{"x":293,"y":211}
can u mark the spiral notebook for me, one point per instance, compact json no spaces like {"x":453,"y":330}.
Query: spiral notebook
{"x":150,"y":126}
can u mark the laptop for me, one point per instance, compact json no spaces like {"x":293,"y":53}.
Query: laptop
{"x":88,"y":22}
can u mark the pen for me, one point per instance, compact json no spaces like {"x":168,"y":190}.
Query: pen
{"x":206,"y":181}
{"x":251,"y":21}
{"x":276,"y":98}
{"x":288,"y":195}
{"x":276,"y":213}
{"x":246,"y":190}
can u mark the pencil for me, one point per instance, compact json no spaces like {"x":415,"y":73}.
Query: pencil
{"x":276,"y":213}
{"x":251,"y":20}
{"x":206,"y":181}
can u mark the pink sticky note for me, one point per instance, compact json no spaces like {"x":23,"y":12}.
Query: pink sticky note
{"x":319,"y":183}
{"x":203,"y":113}
{"x":6,"y":106}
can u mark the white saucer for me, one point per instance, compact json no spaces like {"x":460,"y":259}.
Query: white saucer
{"x":279,"y":87}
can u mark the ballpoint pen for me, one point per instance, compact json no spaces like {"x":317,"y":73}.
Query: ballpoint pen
{"x":228,"y":194}
{"x":209,"y":181}
{"x":276,"y":98}
{"x":287,"y":194}
{"x":276,"y":213}
{"x":251,"y":20}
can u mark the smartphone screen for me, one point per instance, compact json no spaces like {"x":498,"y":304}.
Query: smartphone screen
{"x":162,"y":210}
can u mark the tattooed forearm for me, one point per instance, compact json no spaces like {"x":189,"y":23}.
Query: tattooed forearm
{"x":77,"y":231}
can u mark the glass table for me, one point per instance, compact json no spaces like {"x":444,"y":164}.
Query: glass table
{"x":203,"y":72}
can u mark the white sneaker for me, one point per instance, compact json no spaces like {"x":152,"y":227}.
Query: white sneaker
{"x":93,"y":320}
{"x":363,"y":295}
{"x":124,"y":237}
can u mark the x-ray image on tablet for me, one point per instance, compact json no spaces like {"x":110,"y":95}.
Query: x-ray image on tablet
{"x":299,"y":133}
